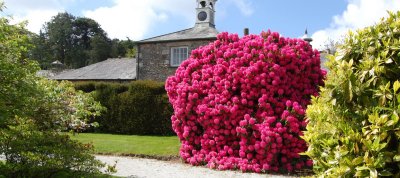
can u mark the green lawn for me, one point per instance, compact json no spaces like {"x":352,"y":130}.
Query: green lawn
{"x":131,"y":144}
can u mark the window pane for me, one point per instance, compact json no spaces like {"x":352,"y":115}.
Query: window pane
{"x":181,"y":57}
{"x":185,"y":53}
{"x":178,"y":55}
{"x":174,"y":57}
{"x":176,"y":60}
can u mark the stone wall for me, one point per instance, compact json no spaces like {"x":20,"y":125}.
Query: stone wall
{"x":154,"y":58}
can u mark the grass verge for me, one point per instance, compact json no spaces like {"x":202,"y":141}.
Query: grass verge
{"x":158,"y":146}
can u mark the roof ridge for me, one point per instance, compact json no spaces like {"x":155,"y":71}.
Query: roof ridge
{"x":194,"y":33}
{"x":165,"y":34}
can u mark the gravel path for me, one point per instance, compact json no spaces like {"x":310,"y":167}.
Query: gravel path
{"x":149,"y":168}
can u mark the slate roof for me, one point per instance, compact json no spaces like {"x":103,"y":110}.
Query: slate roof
{"x":110,"y":69}
{"x":45,"y":73}
{"x":197,"y":32}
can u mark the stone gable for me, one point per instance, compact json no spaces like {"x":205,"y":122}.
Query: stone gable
{"x":154,"y":58}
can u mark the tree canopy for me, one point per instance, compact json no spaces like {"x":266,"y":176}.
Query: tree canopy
{"x":76,"y":42}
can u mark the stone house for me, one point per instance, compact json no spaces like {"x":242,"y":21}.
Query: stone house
{"x":158,"y":57}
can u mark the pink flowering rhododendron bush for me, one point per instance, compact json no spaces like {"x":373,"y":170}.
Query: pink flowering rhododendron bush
{"x":239,"y":102}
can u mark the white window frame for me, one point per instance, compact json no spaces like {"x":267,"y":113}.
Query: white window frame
{"x":178,"y":56}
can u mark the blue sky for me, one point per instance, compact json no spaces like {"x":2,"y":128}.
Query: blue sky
{"x":140,"y":19}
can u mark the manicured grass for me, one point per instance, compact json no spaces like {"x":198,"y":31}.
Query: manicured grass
{"x":131,"y":144}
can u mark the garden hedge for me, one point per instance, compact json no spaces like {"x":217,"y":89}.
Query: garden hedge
{"x":354,"y":128}
{"x":137,"y":108}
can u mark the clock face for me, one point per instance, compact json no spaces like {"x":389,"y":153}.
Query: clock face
{"x":202,"y":16}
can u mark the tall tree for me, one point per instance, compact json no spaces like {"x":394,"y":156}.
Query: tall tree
{"x":76,"y":42}
{"x":123,"y":48}
{"x":40,"y":51}
{"x":92,"y":38}
{"x":85,"y":29}
{"x":59,"y":32}
{"x":100,"y":49}
{"x":130,"y":47}
{"x":117,"y":50}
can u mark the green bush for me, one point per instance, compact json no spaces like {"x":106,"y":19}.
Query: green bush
{"x":86,"y":87}
{"x":138,"y":108}
{"x":34,"y":111}
{"x":36,"y":153}
{"x":354,"y":128}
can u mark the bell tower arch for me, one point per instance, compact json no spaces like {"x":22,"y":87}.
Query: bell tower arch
{"x":205,"y":13}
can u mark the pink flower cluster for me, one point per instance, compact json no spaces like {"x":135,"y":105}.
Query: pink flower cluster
{"x":239,"y":103}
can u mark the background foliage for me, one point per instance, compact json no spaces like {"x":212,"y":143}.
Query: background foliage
{"x":354,"y":128}
{"x":76,"y":42}
{"x":138,"y":108}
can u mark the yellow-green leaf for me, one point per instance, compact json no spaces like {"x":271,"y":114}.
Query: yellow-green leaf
{"x":385,"y":173}
{"x":389,"y":61}
{"x":396,"y":158}
{"x":358,"y":160}
{"x":373,"y":173}
{"x":396,"y":86}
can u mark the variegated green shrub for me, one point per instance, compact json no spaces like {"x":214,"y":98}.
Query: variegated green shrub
{"x":354,"y":128}
{"x":34,"y":111}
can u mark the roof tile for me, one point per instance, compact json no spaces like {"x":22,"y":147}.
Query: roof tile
{"x":111,"y":69}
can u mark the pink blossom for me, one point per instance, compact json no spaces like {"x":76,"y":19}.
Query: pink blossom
{"x":239,"y":102}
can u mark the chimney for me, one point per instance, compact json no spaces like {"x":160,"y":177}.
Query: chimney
{"x":246,"y":31}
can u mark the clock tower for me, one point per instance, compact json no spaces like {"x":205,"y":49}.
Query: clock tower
{"x":205,"y":13}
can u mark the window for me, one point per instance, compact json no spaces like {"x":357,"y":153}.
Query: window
{"x":203,"y":4}
{"x":178,"y":55}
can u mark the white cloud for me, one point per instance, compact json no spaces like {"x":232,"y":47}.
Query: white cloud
{"x":125,"y":18}
{"x":133,"y":19}
{"x":35,"y":18}
{"x":244,"y":6}
{"x":35,"y":12}
{"x":21,"y":6}
{"x":359,"y":14}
